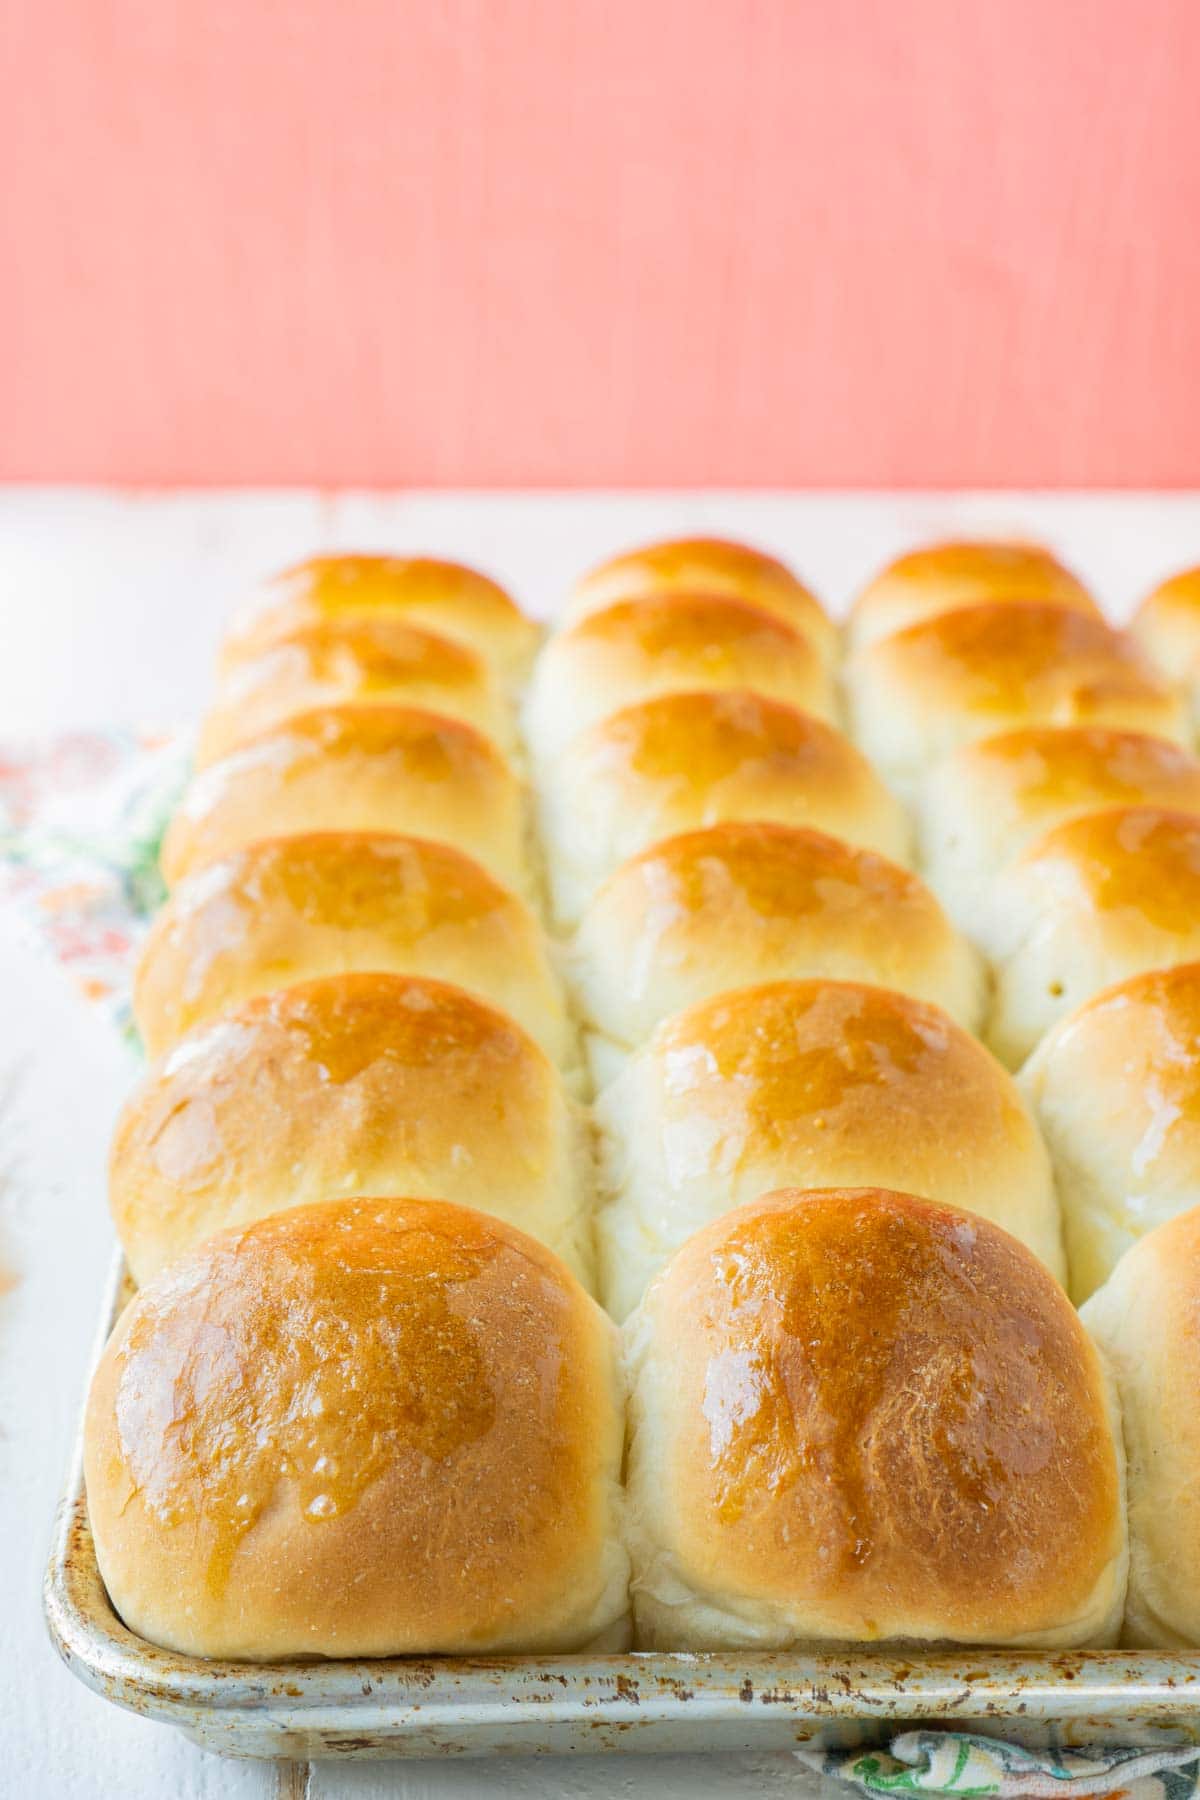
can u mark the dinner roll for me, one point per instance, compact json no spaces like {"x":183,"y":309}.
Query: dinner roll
{"x":701,"y":565}
{"x":1116,"y":1089}
{"x":939,"y":577}
{"x":374,"y":662}
{"x":355,"y":768}
{"x":986,"y":802}
{"x":684,"y":761}
{"x":917,"y":695}
{"x":668,"y":644}
{"x":447,"y":597}
{"x":745,"y":902}
{"x":1144,"y":1319}
{"x":1088,"y":904}
{"x":1168,"y":624}
{"x":354,"y":1084}
{"x":370,"y":1428}
{"x":858,"y":1417}
{"x":812,"y":1083}
{"x":325,"y":903}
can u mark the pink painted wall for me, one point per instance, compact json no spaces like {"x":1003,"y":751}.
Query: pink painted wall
{"x":565,"y":242}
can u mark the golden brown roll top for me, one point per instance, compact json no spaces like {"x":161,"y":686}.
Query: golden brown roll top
{"x":686,"y":761}
{"x":989,"y":800}
{"x":814,"y":1084}
{"x":445,"y":597}
{"x":356,"y":768}
{"x":1088,"y":904}
{"x":1145,"y":1320}
{"x":937,"y":578}
{"x":1116,"y":1089}
{"x":370,"y":1428}
{"x":967,"y":674}
{"x":1167,"y":624}
{"x":354,"y":1084}
{"x":661,"y":644}
{"x":858,"y":1417}
{"x":741,"y":903}
{"x":704,"y":565}
{"x":326,"y":903}
{"x":362,"y":662}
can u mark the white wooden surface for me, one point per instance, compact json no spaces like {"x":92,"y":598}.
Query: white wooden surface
{"x":111,"y":607}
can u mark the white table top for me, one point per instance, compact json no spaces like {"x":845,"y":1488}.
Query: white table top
{"x":111,"y":609}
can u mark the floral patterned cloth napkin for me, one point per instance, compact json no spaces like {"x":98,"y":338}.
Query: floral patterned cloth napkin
{"x":957,"y":1762}
{"x":81,"y":818}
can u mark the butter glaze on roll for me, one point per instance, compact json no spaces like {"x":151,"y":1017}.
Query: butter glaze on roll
{"x":819,"y":1084}
{"x":940,"y":577}
{"x":742,"y":903}
{"x":1090,"y":903}
{"x":686,"y":761}
{"x":355,"y":768}
{"x":445,"y":597}
{"x":1116,"y":1089}
{"x":983,"y":805}
{"x":1145,"y":1320}
{"x":668,"y":644}
{"x":370,"y":1428}
{"x":328,"y":903}
{"x":918,"y":695}
{"x":860,"y":1418}
{"x":701,"y":565}
{"x":355,"y":1084}
{"x":375,"y":662}
{"x":1167,"y":624}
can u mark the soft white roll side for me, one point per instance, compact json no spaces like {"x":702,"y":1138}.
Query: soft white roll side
{"x":1116,"y":1090}
{"x":1090,"y":903}
{"x":1167,"y":625}
{"x":1144,"y":1320}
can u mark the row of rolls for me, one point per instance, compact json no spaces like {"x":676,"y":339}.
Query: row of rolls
{"x":821,"y":1001}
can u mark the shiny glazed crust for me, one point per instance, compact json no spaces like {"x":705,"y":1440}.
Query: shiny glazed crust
{"x":709,"y":566}
{"x":916,"y":696}
{"x":859,"y":1417}
{"x":686,"y":761}
{"x":745,"y":902}
{"x":661,"y":644}
{"x":382,"y":661}
{"x":818,"y":1084}
{"x":445,"y":597}
{"x":939,"y":577}
{"x":364,"y":1428}
{"x":325,"y":903}
{"x":355,"y":768}
{"x":353,"y":1084}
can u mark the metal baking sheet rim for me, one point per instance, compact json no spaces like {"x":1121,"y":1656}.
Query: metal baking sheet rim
{"x":643,"y":1702}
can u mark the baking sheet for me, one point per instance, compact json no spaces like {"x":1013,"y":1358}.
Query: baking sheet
{"x":640,"y":1702}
